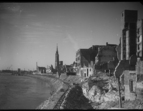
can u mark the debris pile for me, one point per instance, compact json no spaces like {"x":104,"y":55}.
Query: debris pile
{"x":75,"y":99}
{"x":101,"y":90}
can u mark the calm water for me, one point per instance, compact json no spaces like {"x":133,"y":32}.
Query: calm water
{"x":22,"y":92}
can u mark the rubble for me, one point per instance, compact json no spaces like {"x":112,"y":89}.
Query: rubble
{"x":101,"y":90}
{"x":75,"y":99}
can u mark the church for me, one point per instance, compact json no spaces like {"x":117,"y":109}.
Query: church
{"x":57,"y":60}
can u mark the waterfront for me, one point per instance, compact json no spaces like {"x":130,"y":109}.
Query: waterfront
{"x":22,"y":92}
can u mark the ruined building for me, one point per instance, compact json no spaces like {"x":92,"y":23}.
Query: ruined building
{"x":40,"y":70}
{"x":128,"y":39}
{"x":130,"y":66}
{"x":139,"y":38}
{"x":86,"y":58}
{"x":139,"y":64}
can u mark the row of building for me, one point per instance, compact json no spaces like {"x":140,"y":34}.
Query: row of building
{"x":124,"y":60}
{"x":130,"y":53}
{"x":96,"y":57}
{"x":59,"y":67}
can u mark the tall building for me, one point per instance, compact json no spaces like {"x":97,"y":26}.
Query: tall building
{"x":57,"y":59}
{"x":139,"y":38}
{"x":128,"y":39}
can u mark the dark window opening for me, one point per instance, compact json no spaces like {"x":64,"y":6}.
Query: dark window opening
{"x":131,"y":85}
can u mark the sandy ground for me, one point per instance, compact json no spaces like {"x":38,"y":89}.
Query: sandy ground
{"x":22,"y":92}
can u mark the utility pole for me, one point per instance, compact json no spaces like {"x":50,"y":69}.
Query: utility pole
{"x":120,"y":98}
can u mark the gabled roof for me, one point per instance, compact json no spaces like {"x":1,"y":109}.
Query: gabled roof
{"x":85,"y":54}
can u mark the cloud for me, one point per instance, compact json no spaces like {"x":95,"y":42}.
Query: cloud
{"x":11,"y":13}
{"x":66,"y":40}
{"x":11,"y":7}
{"x":74,"y":43}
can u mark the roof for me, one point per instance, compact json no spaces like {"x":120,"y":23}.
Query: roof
{"x":42,"y":67}
{"x":110,"y":44}
{"x":85,"y":53}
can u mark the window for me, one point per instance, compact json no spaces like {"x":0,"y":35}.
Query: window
{"x":87,"y":72}
{"x":124,"y":41}
{"x":138,"y":47}
{"x":138,"y":30}
{"x":138,"y":38}
{"x":140,"y":53}
{"x":131,"y":85}
{"x":124,"y":56}
{"x":124,"y":48}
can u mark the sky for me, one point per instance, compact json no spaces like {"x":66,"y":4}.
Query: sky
{"x":30,"y":32}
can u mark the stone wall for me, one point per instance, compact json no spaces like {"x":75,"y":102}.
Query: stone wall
{"x":128,"y":76}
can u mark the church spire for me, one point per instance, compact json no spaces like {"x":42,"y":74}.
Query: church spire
{"x":57,"y":49}
{"x":57,"y":58}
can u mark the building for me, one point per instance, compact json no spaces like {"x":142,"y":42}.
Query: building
{"x":139,"y":84}
{"x":128,"y":39}
{"x":105,"y":55}
{"x":40,"y":70}
{"x":118,"y":49}
{"x":61,"y":63}
{"x":139,"y":38}
{"x":84,"y":57}
{"x":57,"y":60}
{"x":86,"y":72}
{"x":139,"y":64}
{"x":129,"y":79}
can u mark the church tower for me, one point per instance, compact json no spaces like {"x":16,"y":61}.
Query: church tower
{"x":57,"y":59}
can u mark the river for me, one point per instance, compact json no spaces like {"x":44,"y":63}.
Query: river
{"x":22,"y":92}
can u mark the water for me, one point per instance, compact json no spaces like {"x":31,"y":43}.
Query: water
{"x":22,"y":92}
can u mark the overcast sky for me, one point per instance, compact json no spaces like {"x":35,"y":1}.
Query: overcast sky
{"x":29,"y":32}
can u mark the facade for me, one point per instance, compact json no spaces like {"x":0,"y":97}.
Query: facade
{"x":128,"y":78}
{"x":84,"y":57}
{"x":57,"y":60}
{"x":111,"y":66}
{"x":118,"y":49}
{"x":128,"y":39}
{"x":130,"y":84}
{"x":105,"y":54}
{"x":139,"y":38}
{"x":40,"y":70}
{"x":132,"y":79}
{"x":139,"y":84}
{"x":61,"y":63}
{"x":61,"y":66}
{"x":130,"y":66}
{"x":87,"y":72}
